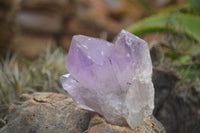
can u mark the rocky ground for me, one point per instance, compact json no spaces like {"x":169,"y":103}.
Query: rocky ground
{"x":175,"y":108}
{"x":28,"y":26}
{"x":52,"y":112}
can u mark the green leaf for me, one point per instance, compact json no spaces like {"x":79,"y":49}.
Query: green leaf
{"x":194,"y":50}
{"x":183,"y":59}
{"x":181,"y":23}
{"x":195,"y":4}
{"x":191,"y":73}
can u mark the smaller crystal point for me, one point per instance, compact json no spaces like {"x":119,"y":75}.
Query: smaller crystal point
{"x":111,"y":79}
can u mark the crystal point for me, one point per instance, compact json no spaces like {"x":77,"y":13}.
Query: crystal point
{"x":111,"y":79}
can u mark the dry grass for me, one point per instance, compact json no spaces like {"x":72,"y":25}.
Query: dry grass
{"x":19,"y":75}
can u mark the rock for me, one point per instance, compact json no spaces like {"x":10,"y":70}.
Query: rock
{"x":64,"y":42}
{"x":96,"y":13}
{"x":173,"y":104}
{"x":52,"y":112}
{"x":99,"y":125}
{"x":39,"y":21}
{"x":31,"y":45}
{"x":6,"y":29}
{"x":46,"y":113}
{"x":178,"y":115}
{"x":35,"y":3}
{"x":164,"y":82}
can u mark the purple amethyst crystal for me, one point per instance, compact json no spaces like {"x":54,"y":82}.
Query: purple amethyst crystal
{"x":111,"y":79}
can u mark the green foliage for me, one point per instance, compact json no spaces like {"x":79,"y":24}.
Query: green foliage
{"x":181,"y":25}
{"x":195,"y":4}
{"x":19,"y":75}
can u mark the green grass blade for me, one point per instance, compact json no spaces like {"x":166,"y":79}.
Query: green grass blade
{"x":183,"y":23}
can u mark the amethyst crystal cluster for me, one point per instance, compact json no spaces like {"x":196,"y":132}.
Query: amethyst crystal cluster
{"x":111,"y":79}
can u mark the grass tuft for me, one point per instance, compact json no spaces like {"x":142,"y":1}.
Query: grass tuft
{"x":19,"y":75}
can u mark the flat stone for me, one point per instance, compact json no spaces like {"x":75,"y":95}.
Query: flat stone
{"x":39,"y":22}
{"x":99,"y":125}
{"x":31,"y":45}
{"x":29,"y":3}
{"x":46,"y":113}
{"x":52,"y":112}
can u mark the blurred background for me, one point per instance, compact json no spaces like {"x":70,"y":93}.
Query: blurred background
{"x":35,"y":36}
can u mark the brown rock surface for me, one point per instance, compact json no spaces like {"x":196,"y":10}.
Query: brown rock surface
{"x":31,"y":45}
{"x":46,"y":113}
{"x":99,"y":125}
{"x":52,"y":112}
{"x":175,"y":106}
{"x":31,"y":3}
{"x":39,"y":22}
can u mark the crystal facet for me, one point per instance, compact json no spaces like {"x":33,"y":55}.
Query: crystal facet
{"x":111,"y":79}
